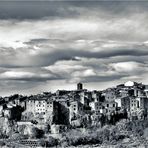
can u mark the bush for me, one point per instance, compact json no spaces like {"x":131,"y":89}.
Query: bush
{"x":2,"y":143}
{"x":37,"y":133}
{"x":51,"y":142}
{"x":106,"y":135}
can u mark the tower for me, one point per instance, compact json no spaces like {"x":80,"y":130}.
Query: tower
{"x":79,"y":86}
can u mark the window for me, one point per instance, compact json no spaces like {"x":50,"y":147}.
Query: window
{"x":113,"y":105}
{"x":74,"y":108}
{"x":68,"y":104}
{"x":107,"y":105}
{"x":138,"y":104}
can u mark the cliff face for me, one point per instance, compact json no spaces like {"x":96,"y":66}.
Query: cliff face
{"x":5,"y":126}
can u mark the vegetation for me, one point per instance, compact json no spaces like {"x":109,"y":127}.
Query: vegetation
{"x":51,"y":142}
{"x":123,"y":130}
{"x":132,"y":131}
{"x":36,"y":133}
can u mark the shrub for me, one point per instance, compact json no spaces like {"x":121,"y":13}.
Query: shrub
{"x":106,"y":135}
{"x":51,"y":142}
{"x":37,"y":133}
{"x":2,"y":143}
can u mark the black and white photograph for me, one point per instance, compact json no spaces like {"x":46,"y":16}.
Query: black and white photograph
{"x":73,"y":74}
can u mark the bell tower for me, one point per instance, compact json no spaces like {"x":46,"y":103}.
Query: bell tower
{"x":79,"y":86}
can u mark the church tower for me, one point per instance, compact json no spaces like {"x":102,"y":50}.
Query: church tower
{"x":79,"y":86}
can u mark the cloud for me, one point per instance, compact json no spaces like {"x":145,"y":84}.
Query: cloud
{"x":28,"y":75}
{"x":45,"y":44}
{"x":14,"y":74}
{"x":128,"y":67}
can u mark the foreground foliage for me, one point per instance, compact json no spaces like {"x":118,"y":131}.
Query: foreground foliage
{"x":123,"y":132}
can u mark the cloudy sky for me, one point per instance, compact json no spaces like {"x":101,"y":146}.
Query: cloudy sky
{"x":54,"y":45}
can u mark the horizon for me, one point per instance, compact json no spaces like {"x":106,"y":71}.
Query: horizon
{"x":74,"y":89}
{"x":50,"y":45}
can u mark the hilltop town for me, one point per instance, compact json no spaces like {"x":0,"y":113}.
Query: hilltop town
{"x":53,"y":113}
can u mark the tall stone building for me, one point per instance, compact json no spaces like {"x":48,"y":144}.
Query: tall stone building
{"x":79,"y":86}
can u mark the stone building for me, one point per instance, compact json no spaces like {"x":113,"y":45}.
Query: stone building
{"x":123,"y":102}
{"x":96,"y":95}
{"x":109,"y":107}
{"x":142,"y":102}
{"x":134,"y":104}
{"x":40,"y":109}
{"x":84,"y":98}
{"x":76,"y":112}
{"x":79,"y":86}
{"x":95,"y":106}
{"x":110,"y":94}
{"x":146,"y":90}
{"x":62,"y":92}
{"x":63,"y":111}
{"x":7,"y":113}
{"x":138,"y":103}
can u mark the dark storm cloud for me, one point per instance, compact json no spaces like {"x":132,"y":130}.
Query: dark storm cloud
{"x":70,"y":54}
{"x":35,"y":10}
{"x":63,"y":54}
{"x":53,"y":9}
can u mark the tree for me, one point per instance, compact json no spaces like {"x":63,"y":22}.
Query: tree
{"x":36,"y":133}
